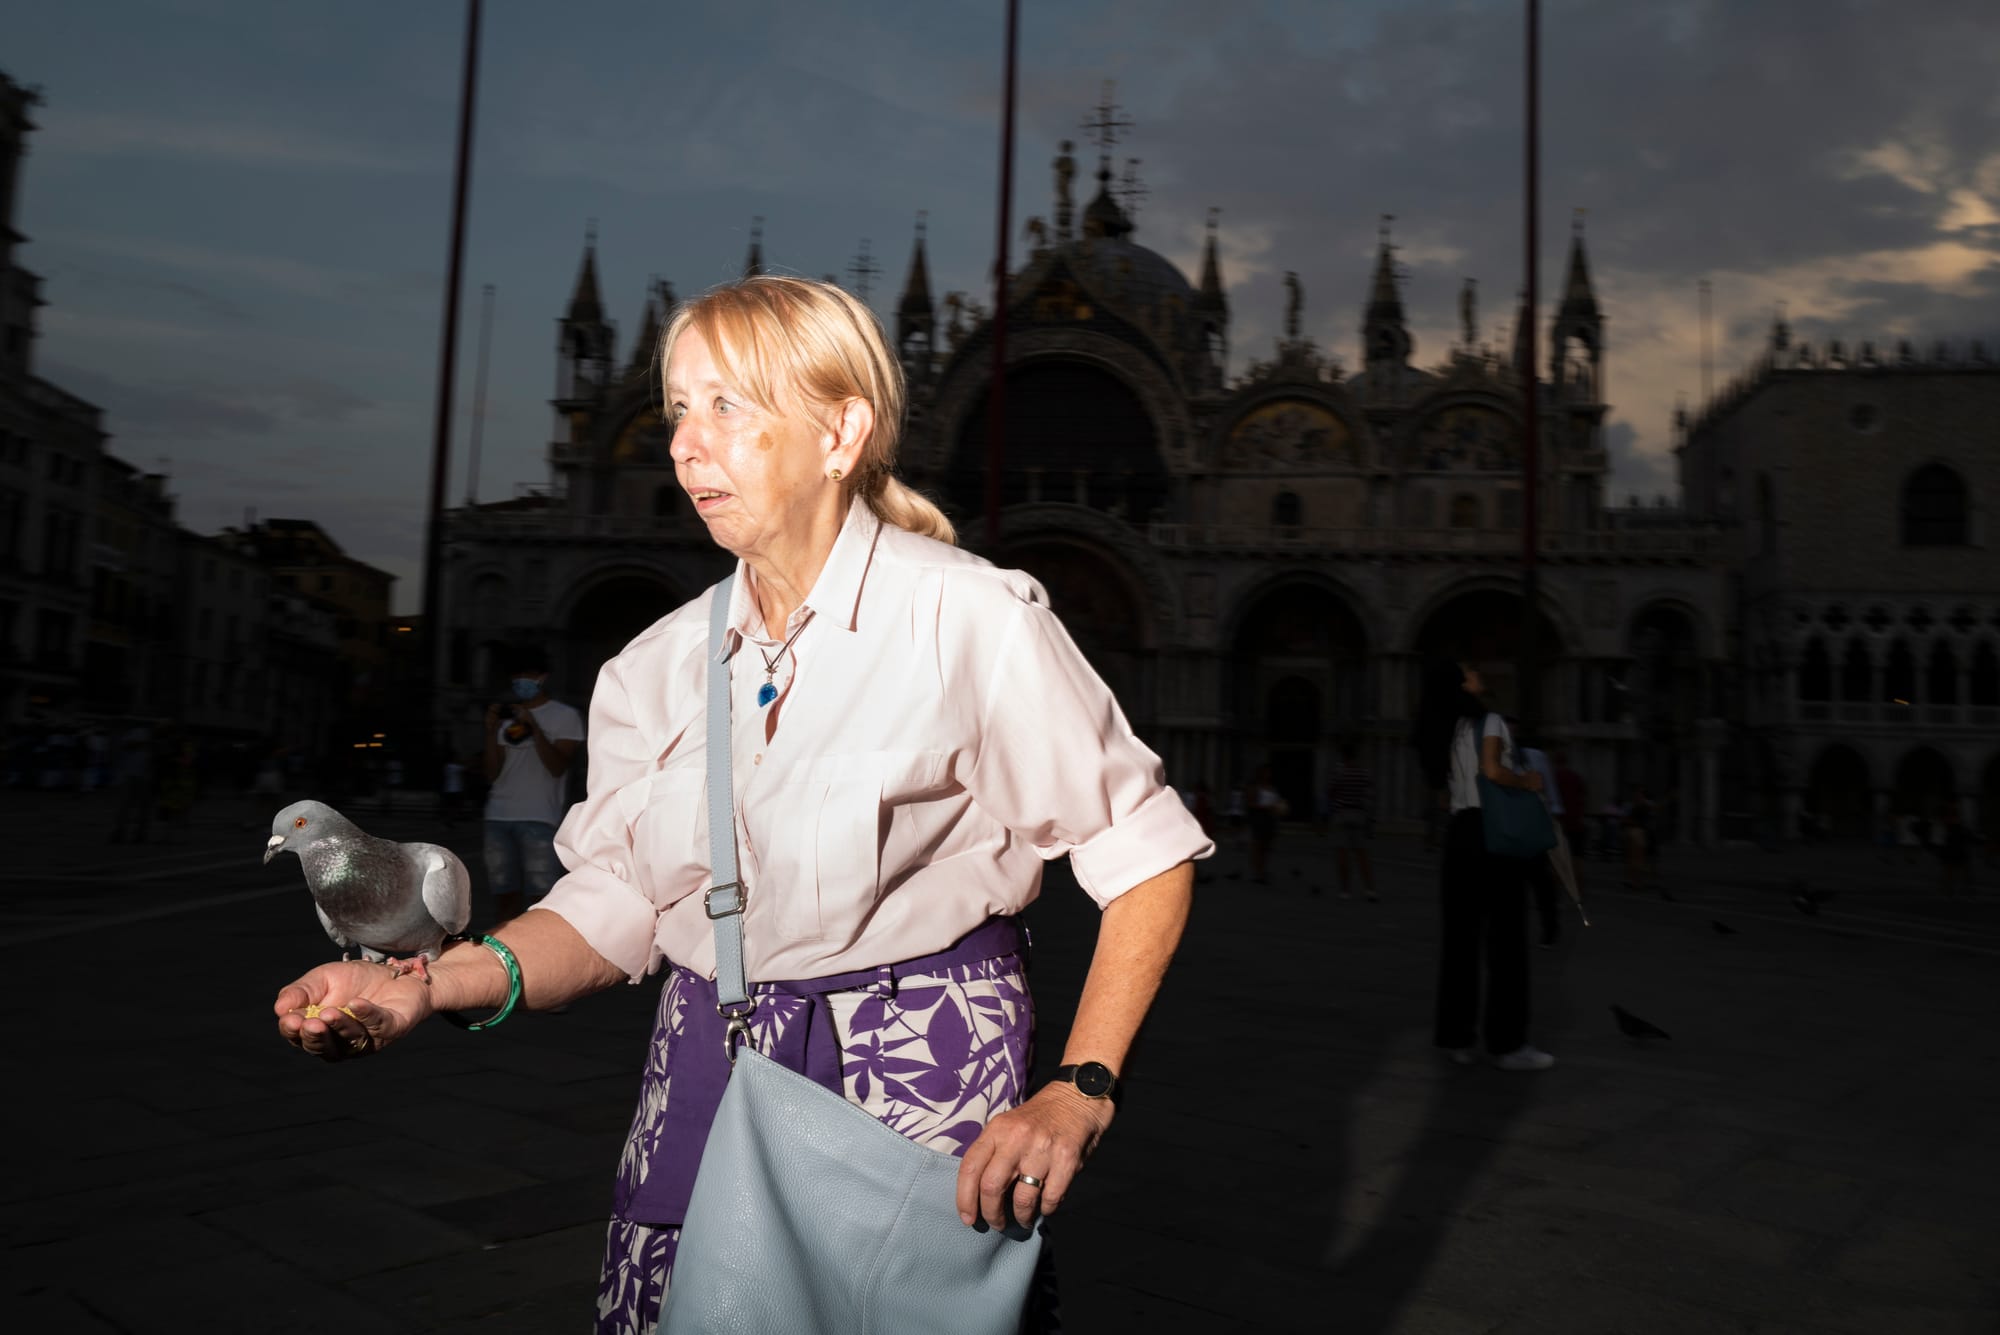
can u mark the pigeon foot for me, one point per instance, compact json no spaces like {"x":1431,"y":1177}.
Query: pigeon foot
{"x":416,"y":964}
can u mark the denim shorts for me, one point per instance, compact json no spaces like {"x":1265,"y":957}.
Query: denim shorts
{"x":521,"y":857}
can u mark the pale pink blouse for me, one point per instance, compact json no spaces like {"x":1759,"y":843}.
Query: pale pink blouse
{"x":939,"y":737}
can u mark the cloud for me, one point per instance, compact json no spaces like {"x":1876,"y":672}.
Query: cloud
{"x":238,"y":143}
{"x":191,"y":411}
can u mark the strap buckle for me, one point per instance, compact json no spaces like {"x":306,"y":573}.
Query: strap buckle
{"x":737,"y":1030}
{"x":708,"y":900}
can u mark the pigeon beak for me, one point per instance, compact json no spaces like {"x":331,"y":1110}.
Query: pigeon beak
{"x":272,"y":849}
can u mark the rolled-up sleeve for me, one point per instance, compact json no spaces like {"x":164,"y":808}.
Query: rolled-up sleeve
{"x":1056,"y":762}
{"x":600,"y":896}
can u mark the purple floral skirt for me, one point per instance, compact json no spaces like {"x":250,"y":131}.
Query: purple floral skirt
{"x":933,"y":1054}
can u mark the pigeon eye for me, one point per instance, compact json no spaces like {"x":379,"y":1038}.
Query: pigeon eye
{"x":298,"y":822}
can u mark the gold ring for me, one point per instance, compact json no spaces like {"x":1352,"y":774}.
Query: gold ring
{"x":1028,"y":1178}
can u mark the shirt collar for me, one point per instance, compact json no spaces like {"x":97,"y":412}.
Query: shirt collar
{"x":835,"y":595}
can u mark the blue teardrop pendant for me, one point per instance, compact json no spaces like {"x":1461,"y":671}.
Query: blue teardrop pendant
{"x":767,"y":693}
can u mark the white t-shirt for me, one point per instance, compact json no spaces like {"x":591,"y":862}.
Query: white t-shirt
{"x":525,"y":789}
{"x":1466,"y":741}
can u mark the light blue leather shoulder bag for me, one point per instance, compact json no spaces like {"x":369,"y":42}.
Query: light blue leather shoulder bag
{"x":808,"y":1214}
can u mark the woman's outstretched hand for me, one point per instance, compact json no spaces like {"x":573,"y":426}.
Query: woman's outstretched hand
{"x":1049,"y":1137}
{"x":350,"y":1009}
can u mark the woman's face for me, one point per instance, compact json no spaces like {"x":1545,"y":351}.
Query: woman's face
{"x":1473,"y":682}
{"x":754,"y":476}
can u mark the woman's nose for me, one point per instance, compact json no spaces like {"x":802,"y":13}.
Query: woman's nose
{"x":686,"y":443}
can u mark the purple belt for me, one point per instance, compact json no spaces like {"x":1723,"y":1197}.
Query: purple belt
{"x":697,"y":1071}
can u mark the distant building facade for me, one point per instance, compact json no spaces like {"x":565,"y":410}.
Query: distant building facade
{"x":1256,"y":564}
{"x":50,"y":443}
{"x":1859,"y":487}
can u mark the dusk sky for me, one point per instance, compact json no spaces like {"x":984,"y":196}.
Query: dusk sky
{"x":240,"y":210}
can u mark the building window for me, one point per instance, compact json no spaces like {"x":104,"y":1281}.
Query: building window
{"x":1857,"y":674}
{"x":1287,"y":510}
{"x":1934,"y":508}
{"x":1465,"y":512}
{"x":1815,"y":674}
{"x":1984,"y":687}
{"x":204,"y":621}
{"x":1510,"y":509}
{"x":1899,"y":676}
{"x":1941,"y":681}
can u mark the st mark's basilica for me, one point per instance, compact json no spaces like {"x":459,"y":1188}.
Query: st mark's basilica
{"x":1257,"y":563}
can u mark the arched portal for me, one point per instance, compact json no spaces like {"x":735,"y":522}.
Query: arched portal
{"x":603,"y":621}
{"x":1989,"y":800}
{"x":1074,"y":432}
{"x":1099,"y":605}
{"x":1837,"y":792}
{"x":1924,"y":783}
{"x":1484,"y":627}
{"x":1300,"y":672}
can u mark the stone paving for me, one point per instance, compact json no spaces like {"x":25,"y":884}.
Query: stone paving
{"x":1810,"y":1152}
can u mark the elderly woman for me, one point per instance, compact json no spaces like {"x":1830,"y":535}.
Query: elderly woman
{"x":913,"y":735}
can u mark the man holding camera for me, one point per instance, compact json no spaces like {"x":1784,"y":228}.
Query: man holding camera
{"x":530,"y":742}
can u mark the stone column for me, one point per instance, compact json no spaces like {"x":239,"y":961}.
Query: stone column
{"x":1713,"y":734}
{"x":1792,"y":805}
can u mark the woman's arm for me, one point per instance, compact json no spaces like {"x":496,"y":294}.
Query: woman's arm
{"x":1052,"y":1134}
{"x":557,"y":967}
{"x":1493,"y":766}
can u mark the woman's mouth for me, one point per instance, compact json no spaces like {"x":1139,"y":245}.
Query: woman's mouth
{"x":706,"y":499}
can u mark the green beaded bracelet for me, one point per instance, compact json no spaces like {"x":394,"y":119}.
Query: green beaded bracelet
{"x":498,"y":947}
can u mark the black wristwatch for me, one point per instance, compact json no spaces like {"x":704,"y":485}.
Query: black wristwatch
{"x":1093,"y":1080}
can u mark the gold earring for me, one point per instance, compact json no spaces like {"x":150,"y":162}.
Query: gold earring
{"x":834,"y":475}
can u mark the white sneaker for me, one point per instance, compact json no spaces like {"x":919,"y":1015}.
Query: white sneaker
{"x":1524,"y":1058}
{"x":1463,"y":1056}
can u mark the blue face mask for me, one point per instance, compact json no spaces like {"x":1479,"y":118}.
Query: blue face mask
{"x":526,"y":688}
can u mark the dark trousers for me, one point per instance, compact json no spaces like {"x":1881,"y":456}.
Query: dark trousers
{"x":1483,"y":913}
{"x":1541,"y":879}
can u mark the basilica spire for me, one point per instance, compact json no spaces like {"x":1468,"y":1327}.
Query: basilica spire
{"x":586,"y":306}
{"x":1211,"y":308}
{"x":753,"y":264}
{"x":916,"y":320}
{"x":583,"y":336}
{"x":1385,"y":338}
{"x":1579,"y":298}
{"x":1211,"y":296}
{"x":1576,"y":342}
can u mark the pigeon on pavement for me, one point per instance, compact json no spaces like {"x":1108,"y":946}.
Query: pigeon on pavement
{"x":1635,"y":1028}
{"x":385,"y":898}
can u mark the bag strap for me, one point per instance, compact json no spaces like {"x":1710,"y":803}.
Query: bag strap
{"x":732,"y":993}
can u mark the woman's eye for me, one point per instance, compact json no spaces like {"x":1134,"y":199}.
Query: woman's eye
{"x":723,"y":405}
{"x":677,"y":412}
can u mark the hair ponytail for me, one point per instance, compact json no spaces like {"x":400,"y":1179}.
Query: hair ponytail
{"x":896,"y":502}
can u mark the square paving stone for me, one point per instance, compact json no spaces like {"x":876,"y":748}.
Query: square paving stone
{"x":340,"y":1232}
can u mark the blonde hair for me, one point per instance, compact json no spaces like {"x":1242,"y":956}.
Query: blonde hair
{"x":792,"y":344}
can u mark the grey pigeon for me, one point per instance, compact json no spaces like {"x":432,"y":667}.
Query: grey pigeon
{"x":388,"y":899}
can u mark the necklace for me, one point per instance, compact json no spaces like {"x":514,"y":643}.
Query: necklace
{"x":769,"y":690}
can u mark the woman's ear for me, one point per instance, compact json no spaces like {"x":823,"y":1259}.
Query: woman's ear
{"x":848,"y":434}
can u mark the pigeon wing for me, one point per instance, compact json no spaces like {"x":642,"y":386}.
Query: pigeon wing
{"x":447,"y":886}
{"x":331,"y":930}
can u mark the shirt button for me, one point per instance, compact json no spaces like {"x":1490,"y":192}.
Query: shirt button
{"x":757,"y":759}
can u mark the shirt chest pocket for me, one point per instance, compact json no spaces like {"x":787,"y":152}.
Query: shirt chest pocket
{"x":667,"y":814}
{"x":820,"y":855}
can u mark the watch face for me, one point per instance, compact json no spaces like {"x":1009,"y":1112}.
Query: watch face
{"x":1094,"y":1079}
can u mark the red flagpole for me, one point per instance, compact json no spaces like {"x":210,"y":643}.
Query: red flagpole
{"x":996,"y":390}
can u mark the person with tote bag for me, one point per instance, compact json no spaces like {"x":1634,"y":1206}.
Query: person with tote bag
{"x":1462,"y":748}
{"x":819,"y":796}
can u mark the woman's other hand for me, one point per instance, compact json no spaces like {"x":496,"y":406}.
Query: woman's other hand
{"x":1049,"y":1137}
{"x":350,"y":1009}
